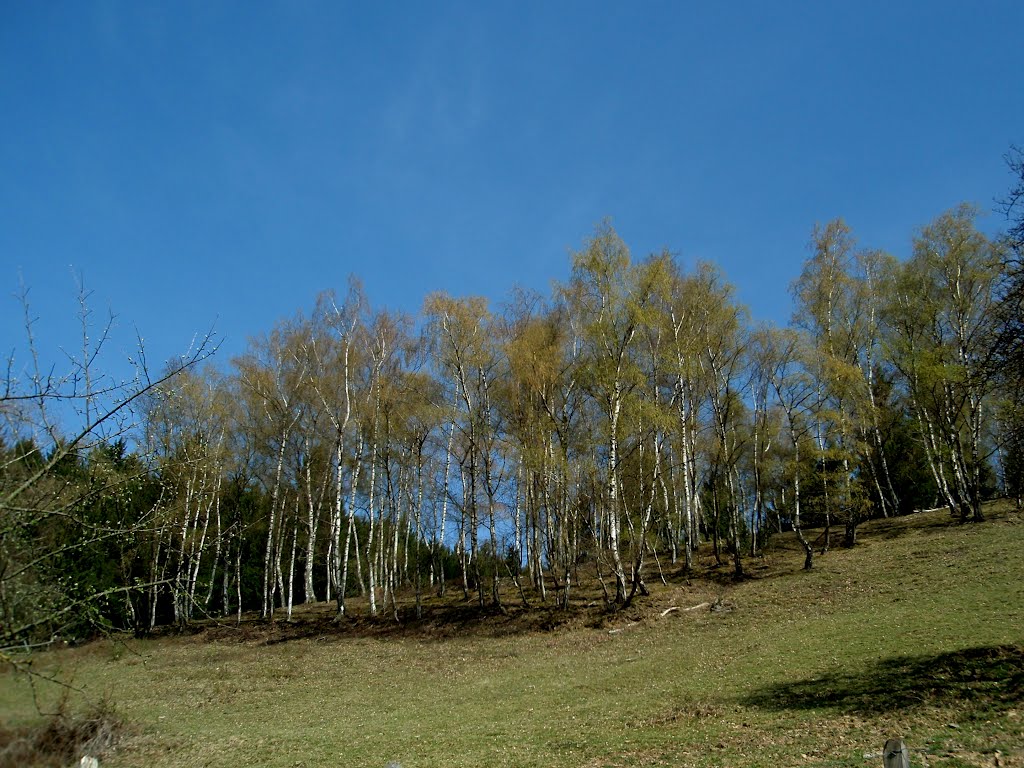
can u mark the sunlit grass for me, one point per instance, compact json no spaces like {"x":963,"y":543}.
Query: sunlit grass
{"x":915,"y":633}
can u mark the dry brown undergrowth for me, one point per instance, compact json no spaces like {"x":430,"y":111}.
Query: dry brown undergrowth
{"x":61,"y":738}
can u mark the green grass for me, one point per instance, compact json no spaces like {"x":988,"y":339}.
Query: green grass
{"x":917,"y":633}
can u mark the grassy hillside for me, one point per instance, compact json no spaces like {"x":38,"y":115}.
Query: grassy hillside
{"x":918,"y":632}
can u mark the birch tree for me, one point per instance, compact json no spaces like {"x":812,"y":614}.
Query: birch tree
{"x":544,"y":413}
{"x":336,"y":353}
{"x":779,"y":355}
{"x":821,"y":297}
{"x":609,"y":300}
{"x":686,"y":320}
{"x":468,"y":355}
{"x":272,"y":374}
{"x":943,"y":341}
{"x":723,"y":350}
{"x":187,"y":431}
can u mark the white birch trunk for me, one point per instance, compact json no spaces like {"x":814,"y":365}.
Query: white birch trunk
{"x":268,"y":597}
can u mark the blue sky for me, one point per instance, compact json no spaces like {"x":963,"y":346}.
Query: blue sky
{"x":218,"y":163}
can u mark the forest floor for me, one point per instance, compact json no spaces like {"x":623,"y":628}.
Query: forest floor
{"x":917,"y":633}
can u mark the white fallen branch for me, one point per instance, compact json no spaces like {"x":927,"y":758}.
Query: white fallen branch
{"x":667,"y":611}
{"x":621,"y":629}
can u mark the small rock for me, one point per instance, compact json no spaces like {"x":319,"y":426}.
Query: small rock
{"x":88,"y":762}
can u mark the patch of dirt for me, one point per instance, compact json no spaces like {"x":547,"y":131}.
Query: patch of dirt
{"x":439,"y":620}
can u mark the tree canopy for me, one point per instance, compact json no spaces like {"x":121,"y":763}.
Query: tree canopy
{"x":624,"y":419}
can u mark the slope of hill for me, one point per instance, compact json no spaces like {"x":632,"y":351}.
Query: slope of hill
{"x":918,"y":632}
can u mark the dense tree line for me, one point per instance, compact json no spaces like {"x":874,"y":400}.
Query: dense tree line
{"x":613,"y":426}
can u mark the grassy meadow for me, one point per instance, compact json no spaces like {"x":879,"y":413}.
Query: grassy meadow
{"x":918,"y":632}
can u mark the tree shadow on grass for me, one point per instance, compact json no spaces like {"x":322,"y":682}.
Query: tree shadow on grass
{"x":929,"y":522}
{"x":987,"y":678}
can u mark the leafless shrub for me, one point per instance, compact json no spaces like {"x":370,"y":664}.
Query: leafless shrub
{"x":61,"y":738}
